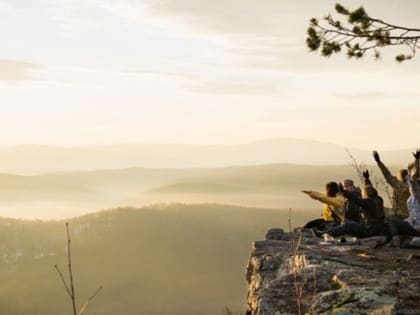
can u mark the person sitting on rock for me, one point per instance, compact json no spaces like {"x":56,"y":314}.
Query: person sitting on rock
{"x":372,"y":210}
{"x":398,"y":227}
{"x":348,"y":185}
{"x":374,"y":221}
{"x":332,"y":212}
{"x":393,"y":225}
{"x":352,"y":211}
{"x":378,"y":200}
{"x":400,"y":190}
{"x":412,"y":180}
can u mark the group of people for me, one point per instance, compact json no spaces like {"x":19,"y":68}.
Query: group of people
{"x":349,"y":210}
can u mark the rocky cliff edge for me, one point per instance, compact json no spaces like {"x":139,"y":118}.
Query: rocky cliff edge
{"x":297,"y":273}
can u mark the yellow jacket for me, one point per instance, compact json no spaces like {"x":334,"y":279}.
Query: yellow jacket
{"x":335,"y":204}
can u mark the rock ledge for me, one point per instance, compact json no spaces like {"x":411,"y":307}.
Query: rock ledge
{"x":366,"y":278}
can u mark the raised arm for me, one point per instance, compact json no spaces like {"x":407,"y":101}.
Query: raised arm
{"x":414,"y":168}
{"x":366,"y":178}
{"x":391,"y":179}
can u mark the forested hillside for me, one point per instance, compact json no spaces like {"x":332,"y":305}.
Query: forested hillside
{"x":174,"y":260}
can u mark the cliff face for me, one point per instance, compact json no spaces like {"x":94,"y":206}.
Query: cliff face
{"x":363,"y":278}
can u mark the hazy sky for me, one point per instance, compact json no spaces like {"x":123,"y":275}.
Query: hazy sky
{"x":194,"y":71}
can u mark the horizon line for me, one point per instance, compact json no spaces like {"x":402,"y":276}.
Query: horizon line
{"x":190,"y":144}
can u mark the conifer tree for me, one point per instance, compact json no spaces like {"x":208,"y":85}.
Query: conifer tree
{"x":357,"y":33}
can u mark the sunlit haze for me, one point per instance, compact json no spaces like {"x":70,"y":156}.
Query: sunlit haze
{"x":87,"y":72}
{"x":151,"y":149}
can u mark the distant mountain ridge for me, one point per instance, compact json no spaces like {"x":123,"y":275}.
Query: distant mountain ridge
{"x":36,"y":159}
{"x":66,"y":194}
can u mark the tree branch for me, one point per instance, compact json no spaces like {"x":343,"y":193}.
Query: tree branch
{"x":329,"y":35}
{"x":82,"y":309}
{"x":70,"y":289}
{"x":73,"y":296}
{"x":63,"y":280}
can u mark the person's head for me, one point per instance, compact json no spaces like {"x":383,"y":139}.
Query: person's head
{"x":369,"y":192}
{"x":402,"y":174}
{"x":331,"y":189}
{"x":348,"y":185}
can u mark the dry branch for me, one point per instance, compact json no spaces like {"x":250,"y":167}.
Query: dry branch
{"x":70,"y":288}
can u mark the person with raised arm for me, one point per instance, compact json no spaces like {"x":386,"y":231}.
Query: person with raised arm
{"x":400,"y":190}
{"x":372,"y":210}
{"x":393,"y":225}
{"x":413,"y":202}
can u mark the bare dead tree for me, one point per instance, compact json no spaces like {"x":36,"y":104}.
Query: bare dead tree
{"x":359,"y":34}
{"x":314,"y":293}
{"x":70,"y":288}
{"x":359,"y":167}
{"x":298,"y":261}
{"x":294,"y":248}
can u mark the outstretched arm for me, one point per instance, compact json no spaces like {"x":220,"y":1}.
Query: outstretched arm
{"x":392,"y":180}
{"x":332,"y":201}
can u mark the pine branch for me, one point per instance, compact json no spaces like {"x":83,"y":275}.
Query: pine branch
{"x":329,"y":36}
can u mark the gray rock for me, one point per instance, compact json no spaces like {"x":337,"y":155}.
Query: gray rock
{"x":275,"y":234}
{"x":365,"y":278}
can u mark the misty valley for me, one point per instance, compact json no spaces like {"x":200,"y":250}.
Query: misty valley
{"x":160,"y":241}
{"x":191,"y":157}
{"x":175,"y":259}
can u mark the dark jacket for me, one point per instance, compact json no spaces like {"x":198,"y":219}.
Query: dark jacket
{"x":372,"y":208}
{"x":352,"y":210}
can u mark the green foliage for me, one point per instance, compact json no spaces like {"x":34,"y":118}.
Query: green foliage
{"x":313,"y":41}
{"x":358,"y":16}
{"x":402,"y":57}
{"x":329,"y":48}
{"x":359,"y":34}
{"x":341,"y":10}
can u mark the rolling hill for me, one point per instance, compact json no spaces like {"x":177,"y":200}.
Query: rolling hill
{"x":166,"y":260}
{"x":68,"y":194}
{"x":36,"y":159}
